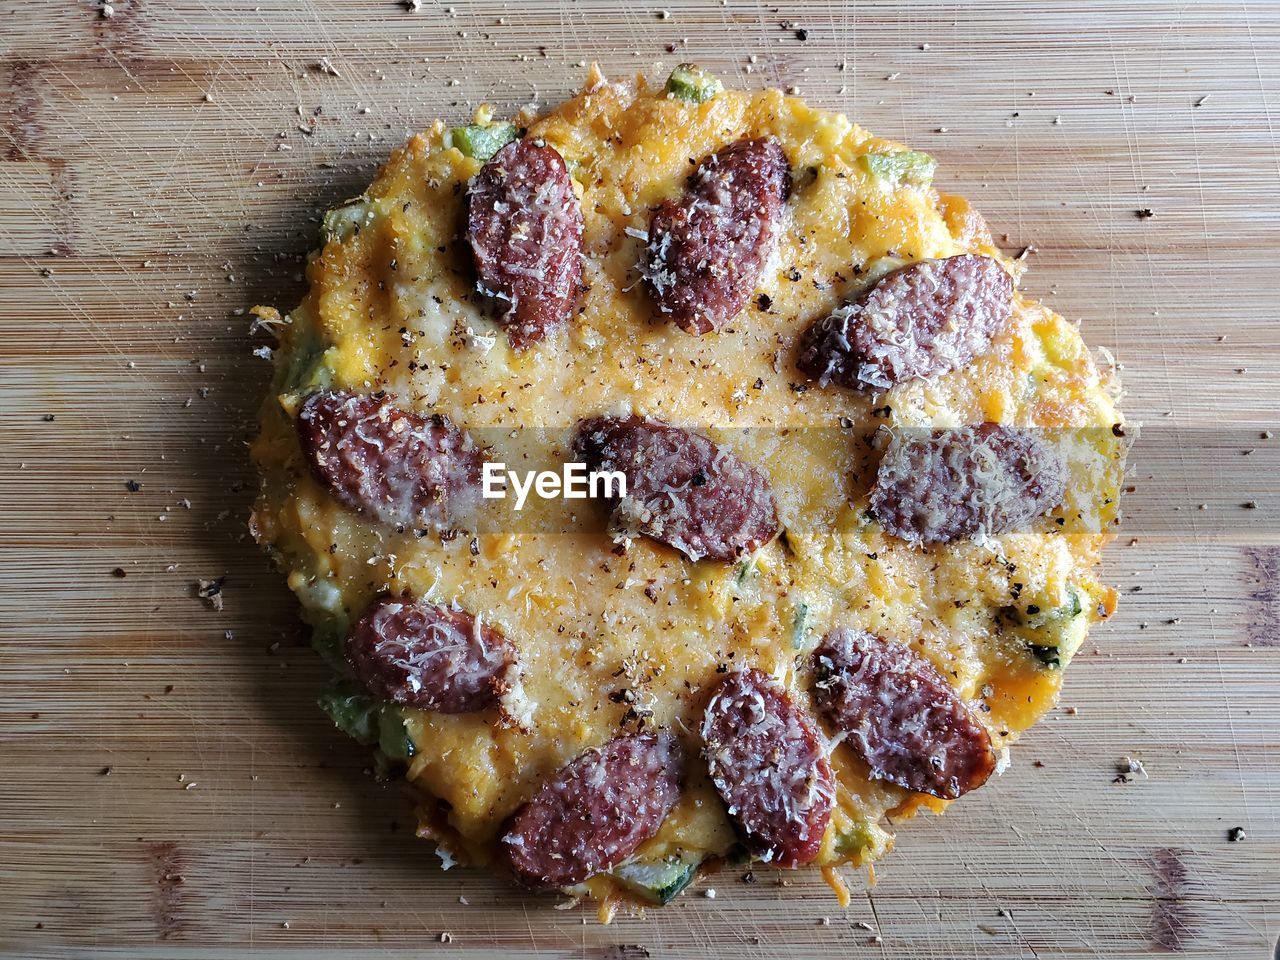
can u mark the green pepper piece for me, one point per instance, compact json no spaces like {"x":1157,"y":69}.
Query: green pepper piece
{"x":690,"y":82}
{"x":903,"y":166}
{"x":482,"y":142}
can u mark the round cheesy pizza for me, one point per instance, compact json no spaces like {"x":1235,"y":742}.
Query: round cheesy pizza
{"x":679,"y":477}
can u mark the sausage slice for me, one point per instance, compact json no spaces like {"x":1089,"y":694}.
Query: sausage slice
{"x":707,"y":250}
{"x":593,"y":813}
{"x":900,"y":715}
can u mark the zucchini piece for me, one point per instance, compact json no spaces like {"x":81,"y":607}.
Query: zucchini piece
{"x":690,"y":82}
{"x":902,"y":166}
{"x":328,"y":640}
{"x":656,"y":883}
{"x":307,"y":371}
{"x":352,"y":711}
{"x":800,"y":626}
{"x":393,"y":735}
{"x":482,"y":142}
{"x":1051,"y":635}
{"x":366,"y":720}
{"x":1040,"y":619}
{"x":1049,"y":656}
{"x":342,"y":223}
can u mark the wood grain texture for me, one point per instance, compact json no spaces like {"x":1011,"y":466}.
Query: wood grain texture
{"x":168,"y":788}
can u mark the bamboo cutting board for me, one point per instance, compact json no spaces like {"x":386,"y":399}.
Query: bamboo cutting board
{"x":167,"y":788}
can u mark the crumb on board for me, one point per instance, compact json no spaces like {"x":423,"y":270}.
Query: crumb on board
{"x":1128,"y":769}
{"x":210,"y":591}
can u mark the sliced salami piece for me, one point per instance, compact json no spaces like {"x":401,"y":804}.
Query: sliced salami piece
{"x":944,"y":485}
{"x":918,"y":322}
{"x":593,"y":813}
{"x":900,"y":715}
{"x":430,"y":657}
{"x":524,"y":224}
{"x":707,"y":250}
{"x":682,"y":489}
{"x":768,"y":764}
{"x":398,"y":467}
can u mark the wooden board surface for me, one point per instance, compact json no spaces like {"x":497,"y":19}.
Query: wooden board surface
{"x":167,"y":788}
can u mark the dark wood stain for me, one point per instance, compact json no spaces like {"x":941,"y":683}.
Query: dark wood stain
{"x":166,"y":902}
{"x":22,"y":118}
{"x":1264,"y":619}
{"x":1172,"y":921}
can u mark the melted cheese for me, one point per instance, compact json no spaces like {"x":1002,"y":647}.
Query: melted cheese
{"x":392,"y":307}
